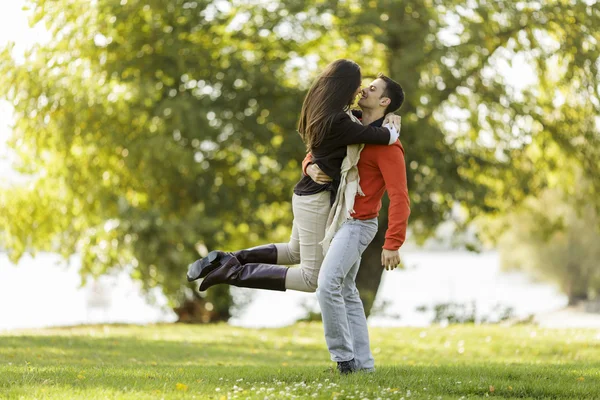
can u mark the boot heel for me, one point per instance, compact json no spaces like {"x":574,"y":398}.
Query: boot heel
{"x":213,"y":257}
{"x":201,"y":268}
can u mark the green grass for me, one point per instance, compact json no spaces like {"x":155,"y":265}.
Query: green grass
{"x":222,"y":362}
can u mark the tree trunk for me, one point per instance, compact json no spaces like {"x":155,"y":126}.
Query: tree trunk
{"x":203,"y":310}
{"x":576,"y":298}
{"x":577,"y":287}
{"x":369,"y":274}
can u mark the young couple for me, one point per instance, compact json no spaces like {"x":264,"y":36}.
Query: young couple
{"x":335,"y":206}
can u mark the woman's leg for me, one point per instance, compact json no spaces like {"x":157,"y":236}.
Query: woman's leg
{"x":310,"y":220}
{"x":289,"y":253}
{"x":279,"y":253}
{"x":310,"y":217}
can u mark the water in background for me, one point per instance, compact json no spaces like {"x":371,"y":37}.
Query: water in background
{"x":45,"y":291}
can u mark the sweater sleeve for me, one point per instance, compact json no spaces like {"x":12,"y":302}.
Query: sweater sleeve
{"x":348,"y":132}
{"x":306,"y":162}
{"x":393,"y":169}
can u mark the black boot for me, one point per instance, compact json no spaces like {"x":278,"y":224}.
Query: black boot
{"x":346,"y":367}
{"x":256,"y":276}
{"x":260,"y":254}
{"x":266,"y":254}
{"x":200,"y":268}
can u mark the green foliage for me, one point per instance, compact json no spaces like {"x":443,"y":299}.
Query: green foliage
{"x":555,"y":237}
{"x":478,"y":137}
{"x":156,"y":130}
{"x":152,"y":130}
{"x":220,"y":361}
{"x":476,"y":133}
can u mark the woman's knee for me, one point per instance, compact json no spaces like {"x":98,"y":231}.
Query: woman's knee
{"x":309,"y":279}
{"x":312,"y":286}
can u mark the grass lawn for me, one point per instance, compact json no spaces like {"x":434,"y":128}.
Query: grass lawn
{"x":223,"y":362}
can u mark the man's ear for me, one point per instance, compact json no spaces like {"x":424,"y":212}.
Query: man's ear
{"x":385,"y":101}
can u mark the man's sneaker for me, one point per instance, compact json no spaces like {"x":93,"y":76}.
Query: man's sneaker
{"x":346,"y":367}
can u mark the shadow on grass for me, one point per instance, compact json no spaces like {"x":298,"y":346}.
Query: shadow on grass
{"x":119,"y":350}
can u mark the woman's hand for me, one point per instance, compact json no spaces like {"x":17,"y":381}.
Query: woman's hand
{"x":393,"y":120}
{"x":317,"y":175}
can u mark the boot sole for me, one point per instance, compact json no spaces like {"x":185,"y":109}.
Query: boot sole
{"x":206,"y":265}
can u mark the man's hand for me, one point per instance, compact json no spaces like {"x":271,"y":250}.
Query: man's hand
{"x":390,"y":259}
{"x":317,"y":175}
{"x":394,"y":120}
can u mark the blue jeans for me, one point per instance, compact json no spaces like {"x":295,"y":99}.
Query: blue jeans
{"x":343,"y":314}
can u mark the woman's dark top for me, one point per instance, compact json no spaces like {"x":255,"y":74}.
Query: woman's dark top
{"x":332,"y":150}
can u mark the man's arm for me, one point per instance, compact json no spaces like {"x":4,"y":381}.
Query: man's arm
{"x":311,"y":169}
{"x":393,"y":169}
{"x":306,"y":162}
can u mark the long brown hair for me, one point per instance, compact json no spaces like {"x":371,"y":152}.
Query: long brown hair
{"x":332,"y":92}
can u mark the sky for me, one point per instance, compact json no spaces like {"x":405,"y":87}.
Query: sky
{"x":14,"y":27}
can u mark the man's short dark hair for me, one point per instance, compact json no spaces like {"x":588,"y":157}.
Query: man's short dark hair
{"x":394,"y":92}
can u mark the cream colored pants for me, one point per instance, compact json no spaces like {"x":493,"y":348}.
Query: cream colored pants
{"x":308,"y":230}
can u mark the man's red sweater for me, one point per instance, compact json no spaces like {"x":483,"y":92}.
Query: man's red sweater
{"x":382,"y":168}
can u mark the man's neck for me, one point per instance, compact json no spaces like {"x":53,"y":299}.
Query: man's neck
{"x":370,"y":115}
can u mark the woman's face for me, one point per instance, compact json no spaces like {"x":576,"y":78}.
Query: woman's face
{"x":357,"y":92}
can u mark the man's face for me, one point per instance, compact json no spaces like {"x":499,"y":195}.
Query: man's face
{"x":372,"y":95}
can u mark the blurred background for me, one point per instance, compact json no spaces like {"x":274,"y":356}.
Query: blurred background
{"x":136,"y":136}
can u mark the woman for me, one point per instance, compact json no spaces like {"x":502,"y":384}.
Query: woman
{"x":326,"y":129}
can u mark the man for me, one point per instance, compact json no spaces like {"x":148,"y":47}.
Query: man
{"x":380,"y":168}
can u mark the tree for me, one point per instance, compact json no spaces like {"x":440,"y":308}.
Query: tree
{"x":151,"y":131}
{"x":154,"y":122}
{"x":555,"y":238}
{"x":476,"y":139}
